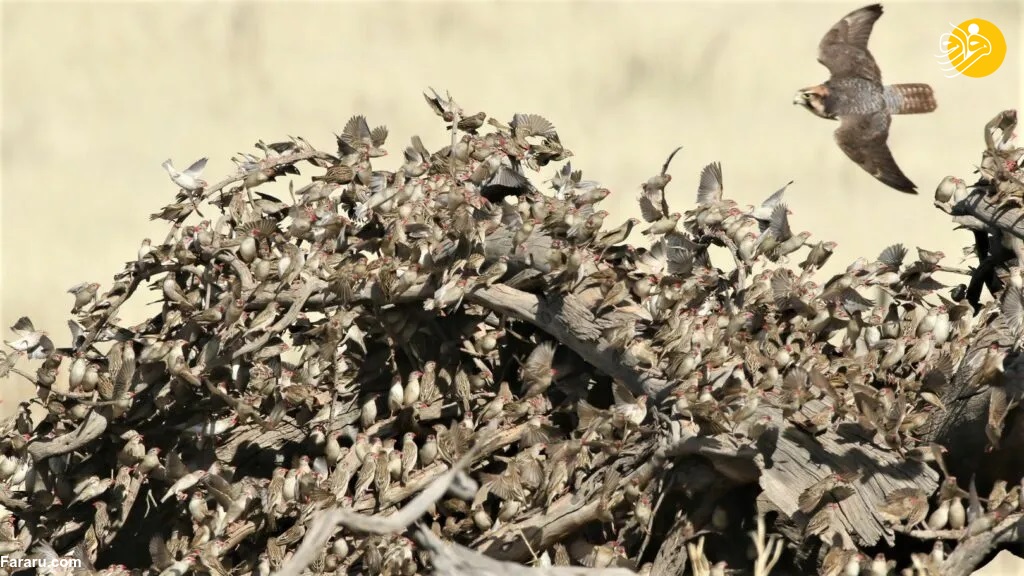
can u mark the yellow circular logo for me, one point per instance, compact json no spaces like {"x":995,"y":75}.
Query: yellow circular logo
{"x":974,"y":48}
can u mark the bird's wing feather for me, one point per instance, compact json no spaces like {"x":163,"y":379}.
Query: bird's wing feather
{"x":77,"y":333}
{"x":1013,"y":309}
{"x":533,"y":125}
{"x":664,"y":167}
{"x":862,"y":138}
{"x":23,"y":325}
{"x":158,"y":552}
{"x":650,"y":206}
{"x":379,"y":135}
{"x":710,"y":188}
{"x":774,"y":200}
{"x":46,"y":346}
{"x":893,"y":256}
{"x":355,"y":130}
{"x":844,"y":48}
{"x":197,"y":167}
{"x":622,"y":394}
{"x":175,"y":467}
{"x":854,"y":301}
{"x":779,"y":223}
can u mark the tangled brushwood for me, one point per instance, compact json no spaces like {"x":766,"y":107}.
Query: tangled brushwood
{"x":444,"y":369}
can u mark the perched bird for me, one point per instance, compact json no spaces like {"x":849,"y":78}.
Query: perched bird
{"x":90,"y":488}
{"x":854,"y":95}
{"x":437,"y":335}
{"x":950,"y":189}
{"x":185,"y":480}
{"x":84,"y":294}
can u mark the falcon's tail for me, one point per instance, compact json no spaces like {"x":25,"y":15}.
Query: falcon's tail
{"x":909,"y":98}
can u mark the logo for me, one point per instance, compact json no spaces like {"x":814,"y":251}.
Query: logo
{"x":975,"y":48}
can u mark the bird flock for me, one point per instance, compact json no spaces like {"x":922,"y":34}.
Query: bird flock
{"x":347,"y":345}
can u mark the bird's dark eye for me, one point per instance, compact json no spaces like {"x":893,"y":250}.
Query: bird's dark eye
{"x":806,"y":96}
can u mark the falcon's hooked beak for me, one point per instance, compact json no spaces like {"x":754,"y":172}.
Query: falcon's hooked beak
{"x":813,"y":99}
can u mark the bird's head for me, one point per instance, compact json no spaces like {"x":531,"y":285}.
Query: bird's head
{"x":814,"y":100}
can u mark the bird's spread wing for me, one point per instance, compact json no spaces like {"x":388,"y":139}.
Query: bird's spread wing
{"x":772,"y":201}
{"x":863,"y":138}
{"x":664,"y":167}
{"x":356,"y":129}
{"x":1013,"y":310}
{"x":379,"y":135}
{"x":197,"y":167}
{"x":622,"y":394}
{"x":893,"y":256}
{"x":23,"y":326}
{"x":650,"y":205}
{"x":710,"y":188}
{"x":533,"y":125}
{"x":778,"y":226}
{"x":844,"y":49}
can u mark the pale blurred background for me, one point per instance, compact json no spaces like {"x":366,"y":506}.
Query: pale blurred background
{"x":97,"y":95}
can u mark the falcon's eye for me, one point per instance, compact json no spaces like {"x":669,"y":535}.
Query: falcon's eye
{"x":806,"y":95}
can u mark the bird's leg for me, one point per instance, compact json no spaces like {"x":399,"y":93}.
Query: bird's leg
{"x":150,"y":501}
{"x":252,"y":203}
{"x":195,"y":204}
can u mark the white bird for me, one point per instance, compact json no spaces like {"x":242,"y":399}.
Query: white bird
{"x":949,"y":188}
{"x":34,"y":343}
{"x":184,"y":483}
{"x":90,"y":488}
{"x":189,"y":178}
{"x":181,"y":566}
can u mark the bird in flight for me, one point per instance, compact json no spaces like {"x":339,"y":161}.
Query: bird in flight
{"x":854,"y":95}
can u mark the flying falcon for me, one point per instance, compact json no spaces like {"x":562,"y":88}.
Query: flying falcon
{"x":854,"y":95}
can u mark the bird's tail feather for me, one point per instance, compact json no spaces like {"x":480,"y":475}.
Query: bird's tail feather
{"x":910,"y":98}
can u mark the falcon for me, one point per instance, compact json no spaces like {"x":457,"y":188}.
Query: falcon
{"x":854,"y":95}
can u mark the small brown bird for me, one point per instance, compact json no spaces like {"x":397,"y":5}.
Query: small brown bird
{"x":84,"y":294}
{"x":537,"y":371}
{"x":819,"y":255}
{"x":367,"y":473}
{"x":628,"y":410}
{"x":375,"y":326}
{"x":836,"y":486}
{"x":493,"y":273}
{"x":663,"y":226}
{"x":428,"y":451}
{"x":410,"y":456}
{"x":908,"y":505}
{"x":337,"y":174}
